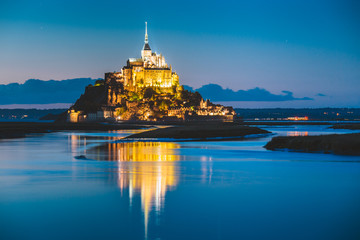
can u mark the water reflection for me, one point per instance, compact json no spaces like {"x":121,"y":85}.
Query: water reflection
{"x":206,"y":169}
{"x":79,"y":143}
{"x":297,"y":133}
{"x":145,"y":169}
{"x":142,"y":151}
{"x":245,"y":183}
{"x":150,"y":180}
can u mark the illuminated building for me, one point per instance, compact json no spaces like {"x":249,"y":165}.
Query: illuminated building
{"x":150,"y":70}
{"x":298,"y":118}
{"x":146,"y":89}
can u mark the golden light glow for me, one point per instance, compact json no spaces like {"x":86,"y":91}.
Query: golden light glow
{"x":298,"y":118}
{"x":142,"y":151}
{"x":147,"y":169}
{"x":144,"y":169}
{"x":151,"y":180}
{"x":297,"y":133}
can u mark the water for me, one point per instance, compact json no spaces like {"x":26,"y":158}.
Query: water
{"x":182,"y":190}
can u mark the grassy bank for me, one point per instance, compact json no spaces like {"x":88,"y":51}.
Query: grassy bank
{"x":341,"y":144}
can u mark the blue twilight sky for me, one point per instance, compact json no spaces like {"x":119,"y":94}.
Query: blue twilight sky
{"x":311,"y":48}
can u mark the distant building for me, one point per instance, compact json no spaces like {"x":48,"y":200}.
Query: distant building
{"x":150,"y":70}
{"x":298,"y":118}
{"x":146,"y":89}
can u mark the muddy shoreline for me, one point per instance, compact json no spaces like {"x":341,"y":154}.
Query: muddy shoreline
{"x":9,"y":130}
{"x":199,"y":132}
{"x":339,"y":144}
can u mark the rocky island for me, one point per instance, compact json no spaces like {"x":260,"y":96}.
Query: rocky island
{"x":146,"y":89}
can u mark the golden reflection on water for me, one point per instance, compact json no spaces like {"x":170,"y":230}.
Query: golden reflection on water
{"x":297,"y":133}
{"x":152,"y":178}
{"x":147,"y":169}
{"x":151,"y":182}
{"x":142,"y":151}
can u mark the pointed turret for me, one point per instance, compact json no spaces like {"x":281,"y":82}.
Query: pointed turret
{"x":146,"y":45}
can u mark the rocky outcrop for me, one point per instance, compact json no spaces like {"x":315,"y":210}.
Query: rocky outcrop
{"x":110,"y":100}
{"x":94,"y":97}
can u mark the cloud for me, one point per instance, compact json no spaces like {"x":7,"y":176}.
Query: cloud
{"x":216,"y":93}
{"x":320,"y":95}
{"x":35,"y":91}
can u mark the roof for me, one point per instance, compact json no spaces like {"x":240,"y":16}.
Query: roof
{"x":157,"y":68}
{"x":147,"y":46}
{"x":135,"y":60}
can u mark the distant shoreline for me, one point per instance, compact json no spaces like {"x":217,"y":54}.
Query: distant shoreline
{"x":251,"y":116}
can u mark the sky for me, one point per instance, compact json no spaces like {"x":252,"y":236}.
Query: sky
{"x":310,"y":48}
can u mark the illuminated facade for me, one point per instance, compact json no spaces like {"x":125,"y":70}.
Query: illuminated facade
{"x":146,"y":89}
{"x":150,"y":70}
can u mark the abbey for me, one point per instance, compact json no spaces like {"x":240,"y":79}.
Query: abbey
{"x":150,"y":70}
{"x":146,"y":89}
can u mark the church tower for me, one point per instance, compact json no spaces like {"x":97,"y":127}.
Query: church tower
{"x":146,"y":52}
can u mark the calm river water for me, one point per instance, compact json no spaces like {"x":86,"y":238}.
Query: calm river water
{"x":174,"y":190}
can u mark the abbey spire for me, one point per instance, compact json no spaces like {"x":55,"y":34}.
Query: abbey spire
{"x":146,"y":45}
{"x":146,"y":35}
